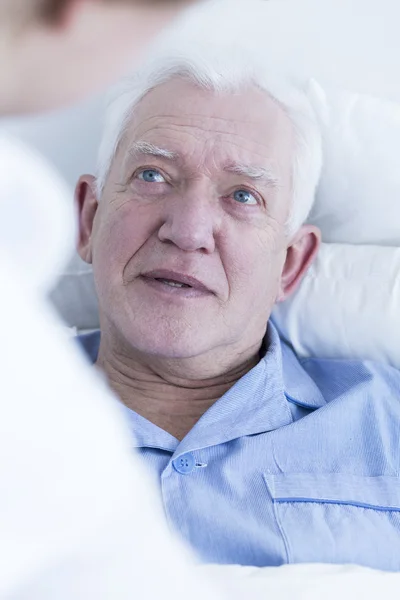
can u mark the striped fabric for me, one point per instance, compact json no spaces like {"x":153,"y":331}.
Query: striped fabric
{"x":298,"y":462}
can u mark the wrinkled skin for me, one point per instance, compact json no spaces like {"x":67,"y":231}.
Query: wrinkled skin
{"x":192,"y":220}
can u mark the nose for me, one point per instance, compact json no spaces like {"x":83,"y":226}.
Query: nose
{"x":191,"y":221}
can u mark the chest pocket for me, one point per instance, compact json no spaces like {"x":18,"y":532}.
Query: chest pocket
{"x":338,"y":518}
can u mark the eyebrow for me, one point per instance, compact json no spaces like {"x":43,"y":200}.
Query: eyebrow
{"x":253,"y":172}
{"x":139,"y":148}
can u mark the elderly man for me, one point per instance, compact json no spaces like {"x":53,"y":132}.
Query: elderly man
{"x":195,"y":229}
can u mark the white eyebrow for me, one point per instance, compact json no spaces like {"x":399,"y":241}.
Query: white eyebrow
{"x":152,"y":150}
{"x":252,"y":172}
{"x":257,"y":173}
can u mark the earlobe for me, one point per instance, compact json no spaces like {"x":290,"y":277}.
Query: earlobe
{"x":300,"y":255}
{"x":86,"y":204}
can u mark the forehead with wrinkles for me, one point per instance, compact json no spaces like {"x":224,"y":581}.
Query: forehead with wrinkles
{"x":203,"y":129}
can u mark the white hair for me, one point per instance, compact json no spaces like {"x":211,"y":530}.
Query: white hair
{"x":213,"y":59}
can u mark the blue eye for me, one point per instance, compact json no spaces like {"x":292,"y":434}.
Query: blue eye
{"x":151,"y":176}
{"x":245,"y":197}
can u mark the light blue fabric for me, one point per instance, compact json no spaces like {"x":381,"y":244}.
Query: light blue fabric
{"x":298,"y":462}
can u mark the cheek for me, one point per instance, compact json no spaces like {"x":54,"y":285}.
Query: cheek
{"x":254,"y":267}
{"x":119,"y":237}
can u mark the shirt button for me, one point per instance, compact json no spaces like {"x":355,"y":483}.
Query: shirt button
{"x":184,"y":464}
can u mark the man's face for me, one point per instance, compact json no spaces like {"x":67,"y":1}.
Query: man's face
{"x":188,"y":242}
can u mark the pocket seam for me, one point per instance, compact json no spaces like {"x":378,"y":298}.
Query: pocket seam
{"x":381,"y":493}
{"x":336,"y":502}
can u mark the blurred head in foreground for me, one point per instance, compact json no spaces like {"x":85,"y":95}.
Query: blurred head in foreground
{"x":53,"y":52}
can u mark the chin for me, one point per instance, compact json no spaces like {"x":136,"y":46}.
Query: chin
{"x":169,"y":343}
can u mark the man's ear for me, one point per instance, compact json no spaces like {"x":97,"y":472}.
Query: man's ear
{"x":300,"y":254}
{"x":86,"y":204}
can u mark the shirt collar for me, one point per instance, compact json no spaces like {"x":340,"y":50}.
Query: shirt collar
{"x":299,"y":387}
{"x":257,"y":403}
{"x":149,"y":435}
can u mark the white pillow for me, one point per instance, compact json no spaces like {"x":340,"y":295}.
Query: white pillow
{"x":348,"y":305}
{"x":358,"y":200}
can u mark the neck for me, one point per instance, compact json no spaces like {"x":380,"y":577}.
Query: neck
{"x":157,"y":389}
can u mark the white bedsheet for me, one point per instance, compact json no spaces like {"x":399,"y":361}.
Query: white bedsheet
{"x":306,"y":582}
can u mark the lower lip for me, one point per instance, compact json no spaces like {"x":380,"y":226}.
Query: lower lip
{"x":172,"y":291}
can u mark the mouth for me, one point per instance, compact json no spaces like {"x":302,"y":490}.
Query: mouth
{"x":178,"y":282}
{"x":173,"y":283}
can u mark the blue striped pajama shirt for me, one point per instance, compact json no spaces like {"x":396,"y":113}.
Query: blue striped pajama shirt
{"x":298,"y":462}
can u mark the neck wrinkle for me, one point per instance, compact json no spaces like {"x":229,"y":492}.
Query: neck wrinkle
{"x":169,"y":401}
